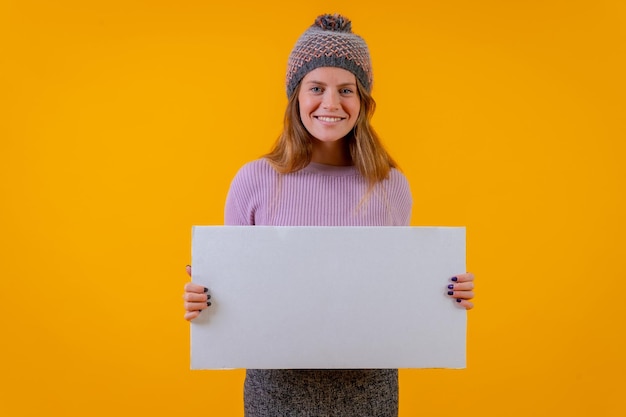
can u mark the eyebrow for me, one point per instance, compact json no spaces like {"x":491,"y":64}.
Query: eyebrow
{"x":325,"y":84}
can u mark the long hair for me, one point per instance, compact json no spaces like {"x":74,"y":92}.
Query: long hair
{"x":293,"y":148}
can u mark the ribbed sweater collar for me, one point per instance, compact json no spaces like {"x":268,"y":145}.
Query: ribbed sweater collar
{"x":331,"y":170}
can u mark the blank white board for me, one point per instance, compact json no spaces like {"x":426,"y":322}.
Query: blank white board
{"x":328,"y":297}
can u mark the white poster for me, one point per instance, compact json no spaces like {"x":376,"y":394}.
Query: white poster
{"x":328,"y":297}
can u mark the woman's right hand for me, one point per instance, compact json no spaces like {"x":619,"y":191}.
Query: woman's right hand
{"x":196,"y":298}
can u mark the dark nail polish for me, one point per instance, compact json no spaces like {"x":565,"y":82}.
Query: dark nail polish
{"x":208,"y":296}
{"x":450,"y":292}
{"x":206,"y":289}
{"x":454,"y":279}
{"x":458,"y":300}
{"x":208,"y":303}
{"x":451,"y":286}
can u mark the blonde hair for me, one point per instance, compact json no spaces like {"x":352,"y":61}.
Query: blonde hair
{"x":293,"y":148}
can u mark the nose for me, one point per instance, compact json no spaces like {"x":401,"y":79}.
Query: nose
{"x":330,"y":100}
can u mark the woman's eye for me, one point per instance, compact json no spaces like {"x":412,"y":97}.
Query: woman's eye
{"x":346,"y":91}
{"x":316,"y":89}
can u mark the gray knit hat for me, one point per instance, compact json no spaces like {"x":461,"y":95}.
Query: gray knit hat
{"x":329,"y":42}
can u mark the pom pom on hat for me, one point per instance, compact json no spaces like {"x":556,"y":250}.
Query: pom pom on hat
{"x":334,"y":22}
{"x":329,"y":42}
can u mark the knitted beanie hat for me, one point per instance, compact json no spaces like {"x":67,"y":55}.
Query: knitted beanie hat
{"x":329,"y":42}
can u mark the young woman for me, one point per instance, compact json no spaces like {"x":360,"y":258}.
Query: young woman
{"x":328,"y":168}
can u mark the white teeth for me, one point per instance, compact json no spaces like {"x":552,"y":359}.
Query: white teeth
{"x":329,"y":119}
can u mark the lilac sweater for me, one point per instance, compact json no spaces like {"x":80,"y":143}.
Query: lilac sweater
{"x":318,"y":195}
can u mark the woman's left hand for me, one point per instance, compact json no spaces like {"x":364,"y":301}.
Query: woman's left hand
{"x":461,"y":288}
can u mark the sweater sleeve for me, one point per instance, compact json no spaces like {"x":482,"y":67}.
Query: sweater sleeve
{"x":400,"y":198}
{"x":235,"y":209}
{"x":248,"y":193}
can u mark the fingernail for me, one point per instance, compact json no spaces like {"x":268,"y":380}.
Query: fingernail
{"x":458,"y":300}
{"x":208,"y":303}
{"x":208,"y":296}
{"x":454,"y":279}
{"x":451,"y":286}
{"x":450,"y":292}
{"x":206,"y":289}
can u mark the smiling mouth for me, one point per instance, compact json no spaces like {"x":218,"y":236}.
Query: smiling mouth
{"x":329,"y":119}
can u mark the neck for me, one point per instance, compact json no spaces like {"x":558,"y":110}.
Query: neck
{"x":331,"y":153}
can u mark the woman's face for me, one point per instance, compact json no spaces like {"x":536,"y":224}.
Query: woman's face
{"x":329,"y":103}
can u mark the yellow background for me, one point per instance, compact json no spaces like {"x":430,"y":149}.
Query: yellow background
{"x":122,"y":123}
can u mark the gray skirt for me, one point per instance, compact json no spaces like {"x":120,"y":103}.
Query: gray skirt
{"x":321,"y":393}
